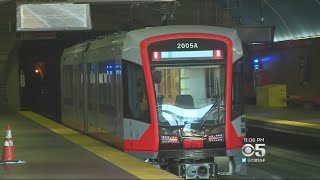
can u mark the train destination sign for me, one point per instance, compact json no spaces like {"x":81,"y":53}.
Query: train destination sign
{"x":187,"y":49}
{"x":207,"y":54}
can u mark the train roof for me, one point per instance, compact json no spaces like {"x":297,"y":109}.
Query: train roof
{"x":107,"y":41}
{"x":135,"y":37}
{"x":76,"y":48}
{"x":70,"y":54}
{"x":131,"y":40}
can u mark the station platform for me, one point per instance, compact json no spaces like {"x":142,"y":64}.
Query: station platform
{"x":289,"y":120}
{"x":53,"y":151}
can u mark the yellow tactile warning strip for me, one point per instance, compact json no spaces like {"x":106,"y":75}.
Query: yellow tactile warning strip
{"x":124,"y":161}
{"x":285,"y":122}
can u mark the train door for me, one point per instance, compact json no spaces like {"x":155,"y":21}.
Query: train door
{"x":67,"y":101}
{"x":92,"y":108}
{"x":107,"y":94}
{"x":85,"y":96}
{"x":108,"y":100}
{"x":79,"y":96}
{"x":119,"y":101}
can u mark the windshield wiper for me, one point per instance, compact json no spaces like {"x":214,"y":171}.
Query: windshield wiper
{"x":204,"y":118}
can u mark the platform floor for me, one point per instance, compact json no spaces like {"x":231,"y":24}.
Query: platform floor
{"x":293,"y":114}
{"x":291,"y":120}
{"x":52,"y":151}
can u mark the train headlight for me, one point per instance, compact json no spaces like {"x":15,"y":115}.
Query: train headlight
{"x":216,"y":137}
{"x":169,"y":139}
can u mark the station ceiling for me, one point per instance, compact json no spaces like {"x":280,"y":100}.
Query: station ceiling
{"x":292,"y":19}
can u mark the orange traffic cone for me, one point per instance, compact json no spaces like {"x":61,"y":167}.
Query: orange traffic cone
{"x":8,"y":155}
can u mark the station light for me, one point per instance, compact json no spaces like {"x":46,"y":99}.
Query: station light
{"x":119,"y":1}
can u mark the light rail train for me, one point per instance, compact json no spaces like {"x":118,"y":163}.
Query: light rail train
{"x":170,"y":95}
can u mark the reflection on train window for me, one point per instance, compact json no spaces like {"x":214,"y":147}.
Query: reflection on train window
{"x":237,"y":90}
{"x":135,"y":97}
{"x":92,"y":76}
{"x":106,"y":89}
{"x":190,"y":95}
{"x":68,"y":84}
{"x":200,"y":83}
{"x":80,"y":86}
{"x":92,"y":91}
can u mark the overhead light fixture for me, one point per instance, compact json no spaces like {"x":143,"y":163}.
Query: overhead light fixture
{"x":53,"y":17}
{"x":4,"y":1}
{"x":119,"y":1}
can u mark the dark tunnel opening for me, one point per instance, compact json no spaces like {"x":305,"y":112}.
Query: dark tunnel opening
{"x":40,"y":63}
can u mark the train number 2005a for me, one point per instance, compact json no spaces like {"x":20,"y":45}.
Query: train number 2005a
{"x":187,"y":45}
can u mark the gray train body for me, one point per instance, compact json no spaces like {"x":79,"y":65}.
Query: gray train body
{"x":92,"y":90}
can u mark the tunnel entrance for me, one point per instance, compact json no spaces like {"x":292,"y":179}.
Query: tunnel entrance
{"x":40,"y":63}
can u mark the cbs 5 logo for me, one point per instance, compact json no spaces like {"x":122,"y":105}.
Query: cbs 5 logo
{"x":248,"y":150}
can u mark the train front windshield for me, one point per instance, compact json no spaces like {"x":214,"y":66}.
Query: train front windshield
{"x":190,"y":97}
{"x":189,"y":78}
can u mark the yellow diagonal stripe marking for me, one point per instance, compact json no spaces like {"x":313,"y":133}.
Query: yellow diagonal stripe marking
{"x":124,"y":161}
{"x":285,"y":122}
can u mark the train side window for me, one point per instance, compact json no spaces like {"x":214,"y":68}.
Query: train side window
{"x":106,"y":83}
{"x":135,"y":97}
{"x":237,"y":90}
{"x":68,"y":85}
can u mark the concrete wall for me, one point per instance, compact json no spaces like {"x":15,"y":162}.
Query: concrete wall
{"x":284,"y":68}
{"x":13,"y":79}
{"x":9,"y":77}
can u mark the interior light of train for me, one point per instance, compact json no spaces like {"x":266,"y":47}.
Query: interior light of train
{"x":256,"y":64}
{"x":256,"y":67}
{"x":169,"y":139}
{"x":118,"y":66}
{"x":112,"y":67}
{"x":118,"y":72}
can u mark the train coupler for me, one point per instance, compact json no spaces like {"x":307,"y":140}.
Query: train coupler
{"x":196,"y":170}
